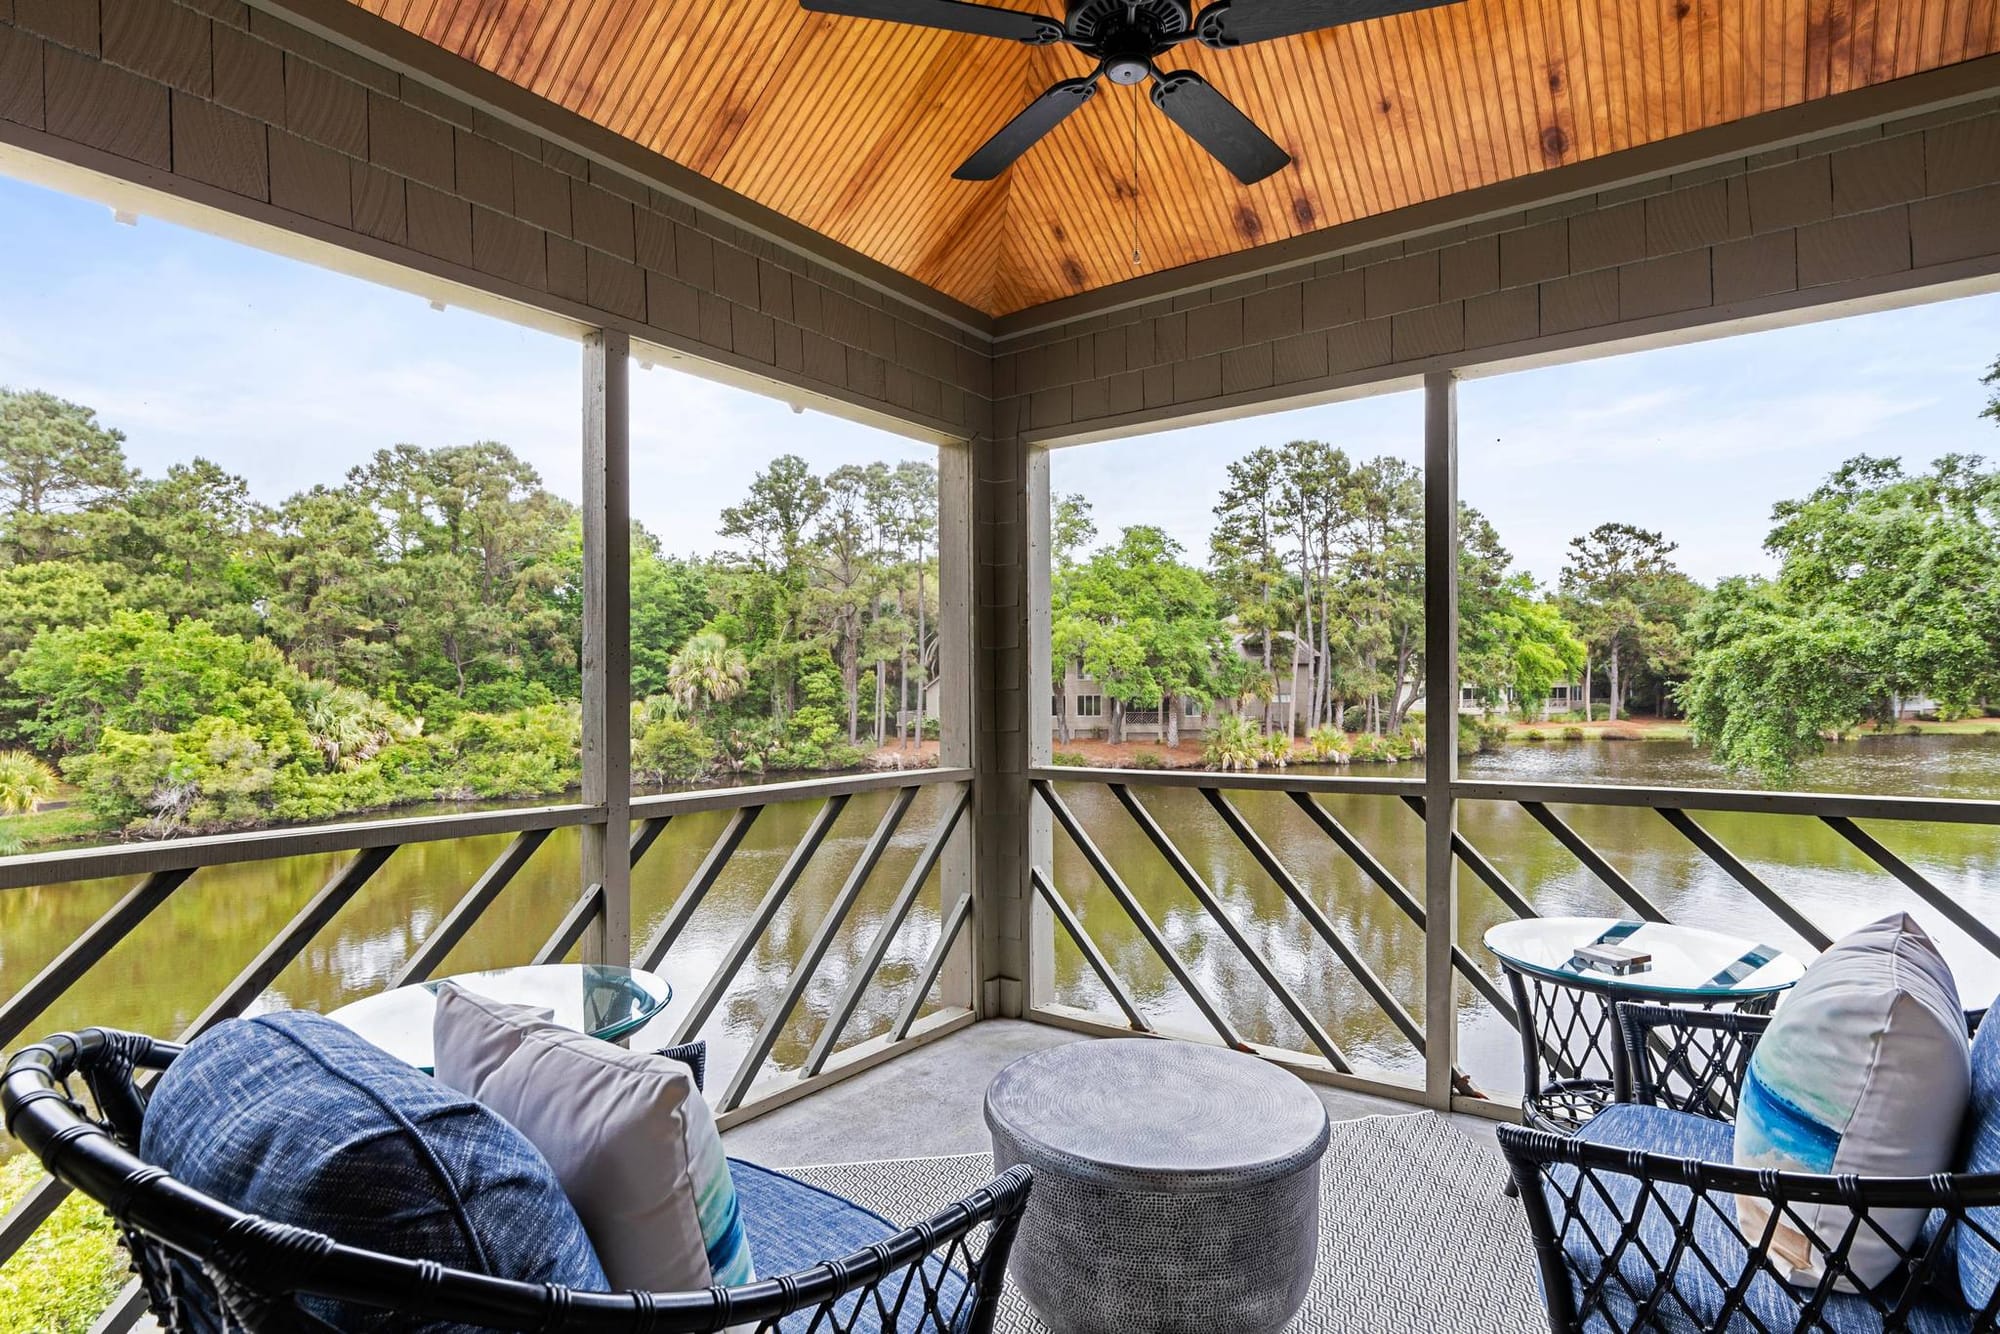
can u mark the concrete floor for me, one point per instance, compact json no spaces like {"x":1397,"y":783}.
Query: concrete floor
{"x":929,"y":1103}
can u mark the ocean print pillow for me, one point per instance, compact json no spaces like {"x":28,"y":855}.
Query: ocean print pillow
{"x":1864,"y":1069}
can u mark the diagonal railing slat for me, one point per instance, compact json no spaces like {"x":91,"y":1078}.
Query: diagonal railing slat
{"x":645,"y":836}
{"x":1314,"y":1031}
{"x":1594,"y":861}
{"x":885,"y":935}
{"x":1088,"y":948}
{"x":572,"y":927}
{"x":29,"y":1213}
{"x":1713,"y":848}
{"x":468,"y":910}
{"x":77,"y":958}
{"x":1316,"y":918}
{"x":289,"y":943}
{"x":816,"y":948}
{"x":948,"y":932}
{"x":1140,"y":918}
{"x":1916,"y":881}
{"x":1401,"y":897}
{"x":697,"y":887}
{"x":1488,"y":874}
{"x":746,"y":939}
{"x":125,"y":1311}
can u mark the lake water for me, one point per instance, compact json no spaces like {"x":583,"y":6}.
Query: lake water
{"x":161,"y":977}
{"x":1813,"y":867}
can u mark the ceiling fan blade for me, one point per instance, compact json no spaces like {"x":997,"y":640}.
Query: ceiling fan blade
{"x":1213,"y":121}
{"x":1023,"y":132}
{"x":951,"y":15}
{"x":1239,"y":22}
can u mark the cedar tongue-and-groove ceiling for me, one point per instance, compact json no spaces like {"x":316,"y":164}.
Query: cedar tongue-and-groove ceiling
{"x":853,"y":127}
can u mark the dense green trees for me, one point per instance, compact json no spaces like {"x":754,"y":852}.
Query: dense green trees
{"x":1623,"y":591}
{"x":56,"y":465}
{"x":193,"y":656}
{"x":196,"y":658}
{"x":833,"y":572}
{"x":1143,"y":624}
{"x":1318,"y":560}
{"x":1886,"y":590}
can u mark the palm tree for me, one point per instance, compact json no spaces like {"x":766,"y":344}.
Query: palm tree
{"x":707,"y":669}
{"x":25,"y":782}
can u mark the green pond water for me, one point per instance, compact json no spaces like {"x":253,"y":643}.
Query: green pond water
{"x":1813,"y":867}
{"x":162,"y":976}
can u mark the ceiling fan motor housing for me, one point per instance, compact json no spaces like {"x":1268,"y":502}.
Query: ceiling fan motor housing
{"x":1127,"y":34}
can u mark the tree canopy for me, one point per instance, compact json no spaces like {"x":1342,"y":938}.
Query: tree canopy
{"x":198,"y":657}
{"x":1885,"y":591}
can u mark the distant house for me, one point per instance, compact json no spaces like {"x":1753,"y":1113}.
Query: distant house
{"x":1562,"y":699}
{"x":1092,"y":713}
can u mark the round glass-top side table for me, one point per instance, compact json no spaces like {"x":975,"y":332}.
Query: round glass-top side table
{"x":599,"y":999}
{"x":1568,"y":1033}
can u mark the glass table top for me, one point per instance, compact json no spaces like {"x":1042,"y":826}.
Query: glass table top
{"x":598,"y":999}
{"x":1687,"y":960}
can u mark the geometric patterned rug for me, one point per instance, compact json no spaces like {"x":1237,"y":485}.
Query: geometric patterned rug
{"x":1415,"y":1236}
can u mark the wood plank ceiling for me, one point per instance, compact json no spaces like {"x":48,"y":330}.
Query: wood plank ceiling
{"x":853,"y":127}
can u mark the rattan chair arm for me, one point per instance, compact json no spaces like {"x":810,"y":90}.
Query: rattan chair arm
{"x":1530,"y":1152}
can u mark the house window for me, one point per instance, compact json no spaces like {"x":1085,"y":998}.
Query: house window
{"x":1192,"y":709}
{"x":1559,"y":693}
{"x":1283,"y":697}
{"x":1468,"y":694}
{"x":1090,"y":706}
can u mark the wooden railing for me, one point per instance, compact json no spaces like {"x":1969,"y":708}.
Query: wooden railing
{"x":161,"y":869}
{"x":1677,"y":807}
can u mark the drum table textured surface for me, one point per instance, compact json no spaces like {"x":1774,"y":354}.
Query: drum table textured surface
{"x":1176,"y":1186}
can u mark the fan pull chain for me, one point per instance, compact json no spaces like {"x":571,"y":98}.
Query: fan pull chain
{"x":1136,"y":96}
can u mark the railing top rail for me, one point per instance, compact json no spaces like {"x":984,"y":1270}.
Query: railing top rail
{"x":1234,"y":782}
{"x":1940,"y":810}
{"x":257,"y":845}
{"x":772,"y":794}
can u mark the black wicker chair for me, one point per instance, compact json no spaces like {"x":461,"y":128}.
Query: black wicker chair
{"x":254,"y":1270}
{"x":1629,"y":1239}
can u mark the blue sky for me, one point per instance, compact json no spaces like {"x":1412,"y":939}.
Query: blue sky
{"x":289,"y":375}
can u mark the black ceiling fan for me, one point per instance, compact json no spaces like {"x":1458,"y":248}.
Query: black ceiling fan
{"x":1125,"y":38}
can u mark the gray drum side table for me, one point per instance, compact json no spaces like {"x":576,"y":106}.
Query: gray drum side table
{"x":1176,"y":1186}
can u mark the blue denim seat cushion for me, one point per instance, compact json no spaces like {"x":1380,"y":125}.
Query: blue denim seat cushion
{"x":296,"y":1118}
{"x":1978,"y":1260}
{"x":794,"y":1226}
{"x":1696,"y":1301}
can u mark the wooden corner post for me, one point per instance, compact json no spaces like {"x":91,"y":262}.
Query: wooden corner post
{"x":958,"y":984}
{"x":1440,"y":732}
{"x":607,"y":641}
